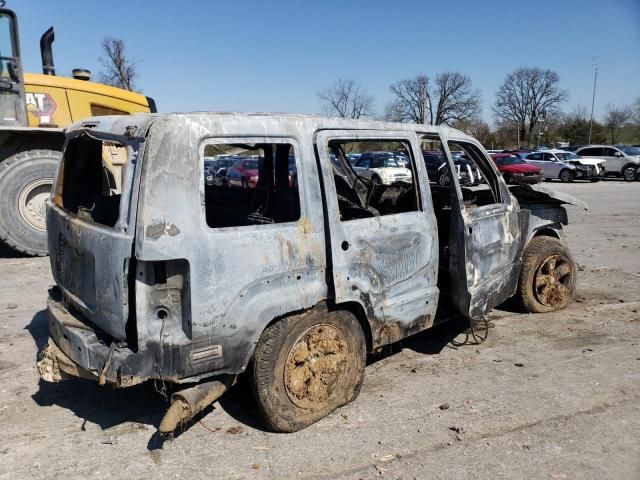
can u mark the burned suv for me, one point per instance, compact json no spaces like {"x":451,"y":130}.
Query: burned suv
{"x":162,"y":276}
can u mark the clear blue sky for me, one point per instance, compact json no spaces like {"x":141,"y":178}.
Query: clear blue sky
{"x":275,"y":56}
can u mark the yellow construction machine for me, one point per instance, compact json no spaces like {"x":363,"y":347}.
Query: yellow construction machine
{"x":34,"y":109}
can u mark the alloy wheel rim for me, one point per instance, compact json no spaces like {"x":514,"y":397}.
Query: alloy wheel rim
{"x":552,"y":281}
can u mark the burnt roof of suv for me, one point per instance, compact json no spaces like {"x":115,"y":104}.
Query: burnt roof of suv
{"x":111,"y":122}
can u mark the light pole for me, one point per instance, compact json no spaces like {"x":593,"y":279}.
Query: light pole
{"x":593,"y":98}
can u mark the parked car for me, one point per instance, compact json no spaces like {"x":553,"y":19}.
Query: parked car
{"x":468,"y":172}
{"x":621,"y":162}
{"x":567,"y":166}
{"x":515,"y":170}
{"x":291,"y":286}
{"x":243,"y":173}
{"x":381,"y":167}
{"x":436,"y":163}
{"x":353,"y":157}
{"x":216,"y":170}
{"x":438,"y":169}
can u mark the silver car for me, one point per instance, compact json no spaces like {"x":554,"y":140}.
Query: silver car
{"x":622,"y":161}
{"x":566,"y":166}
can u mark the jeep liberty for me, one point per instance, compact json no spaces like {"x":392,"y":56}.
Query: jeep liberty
{"x":292,"y":279}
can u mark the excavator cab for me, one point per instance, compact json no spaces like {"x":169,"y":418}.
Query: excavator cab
{"x":12,"y":98}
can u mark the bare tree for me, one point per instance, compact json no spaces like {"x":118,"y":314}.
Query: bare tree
{"x":119,"y":71}
{"x":614,"y":120}
{"x":346,"y":98}
{"x":527,"y":95}
{"x":457,"y":99}
{"x":412,"y":102}
{"x":451,"y":98}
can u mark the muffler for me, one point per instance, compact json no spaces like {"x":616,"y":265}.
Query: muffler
{"x":187,"y":403}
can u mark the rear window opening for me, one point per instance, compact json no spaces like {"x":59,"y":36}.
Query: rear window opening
{"x":93,"y":172}
{"x":250,"y":184}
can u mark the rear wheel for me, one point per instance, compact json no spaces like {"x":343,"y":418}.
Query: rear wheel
{"x":566,"y":176}
{"x":443,"y":178}
{"x":629,"y":174}
{"x":547,"y":277}
{"x":305,"y":366}
{"x":26,"y":179}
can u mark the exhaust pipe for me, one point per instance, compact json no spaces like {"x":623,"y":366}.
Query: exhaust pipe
{"x":46,"y":52}
{"x":187,"y":403}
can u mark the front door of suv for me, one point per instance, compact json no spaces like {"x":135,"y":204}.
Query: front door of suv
{"x":485,"y":239}
{"x":383,"y":239}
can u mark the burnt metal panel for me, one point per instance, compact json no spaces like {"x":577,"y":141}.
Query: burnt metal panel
{"x":387,"y":264}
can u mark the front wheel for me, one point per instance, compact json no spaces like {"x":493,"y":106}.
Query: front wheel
{"x":305,"y":366}
{"x":566,"y":176}
{"x":26,"y":179}
{"x":547,"y":277}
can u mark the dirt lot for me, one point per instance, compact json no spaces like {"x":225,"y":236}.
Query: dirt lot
{"x":547,"y":396}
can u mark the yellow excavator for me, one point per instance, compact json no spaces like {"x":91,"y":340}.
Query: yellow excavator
{"x":34,"y":109}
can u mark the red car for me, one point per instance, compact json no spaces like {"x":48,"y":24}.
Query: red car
{"x":244,"y":173}
{"x":515,"y":170}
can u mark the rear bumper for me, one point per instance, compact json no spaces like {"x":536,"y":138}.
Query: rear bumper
{"x":79,"y":346}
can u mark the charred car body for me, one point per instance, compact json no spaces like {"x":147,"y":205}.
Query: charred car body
{"x":150,"y":285}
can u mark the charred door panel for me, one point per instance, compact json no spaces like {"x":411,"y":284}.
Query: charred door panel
{"x":486,"y":223}
{"x":387,"y":263}
{"x":241,"y":277}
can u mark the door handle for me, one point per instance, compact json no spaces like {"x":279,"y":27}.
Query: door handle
{"x":345,"y":245}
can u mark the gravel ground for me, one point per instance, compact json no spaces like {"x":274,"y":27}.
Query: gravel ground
{"x":546,"y":396}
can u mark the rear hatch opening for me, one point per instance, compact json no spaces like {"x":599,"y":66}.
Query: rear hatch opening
{"x":92,"y":176}
{"x":91,"y":226}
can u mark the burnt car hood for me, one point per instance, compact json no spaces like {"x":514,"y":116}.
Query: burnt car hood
{"x":542,"y":194}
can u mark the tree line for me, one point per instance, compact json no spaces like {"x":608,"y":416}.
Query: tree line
{"x":527,"y":110}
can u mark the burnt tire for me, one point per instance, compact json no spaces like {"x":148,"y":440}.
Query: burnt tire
{"x":547,"y":277}
{"x":25,"y":184}
{"x":566,"y":176}
{"x":306,"y":366}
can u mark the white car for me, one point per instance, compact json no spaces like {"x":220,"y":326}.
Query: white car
{"x":382,"y":167}
{"x":567,"y":166}
{"x":622,"y":161}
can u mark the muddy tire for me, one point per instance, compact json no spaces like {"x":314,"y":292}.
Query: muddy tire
{"x":547,"y":277}
{"x":25,"y":184}
{"x":566,"y":176}
{"x":305,"y":366}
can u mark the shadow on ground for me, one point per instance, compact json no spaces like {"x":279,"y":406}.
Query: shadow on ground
{"x":147,"y":403}
{"x":6,"y":252}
